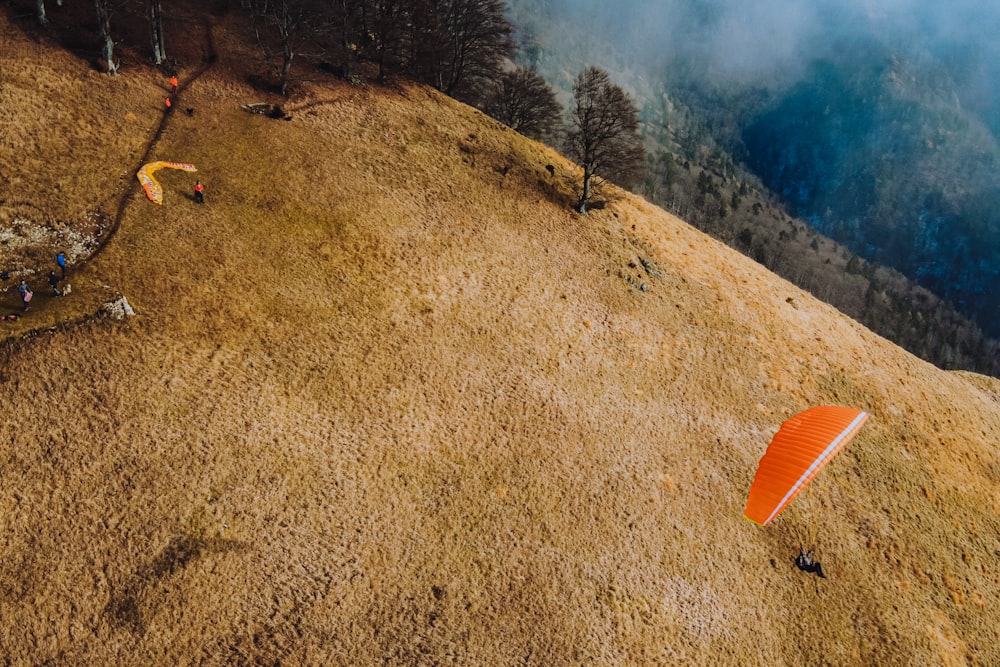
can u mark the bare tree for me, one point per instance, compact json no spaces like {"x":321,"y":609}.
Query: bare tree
{"x":604,"y":133}
{"x":344,"y":18}
{"x":40,"y":11}
{"x":154,"y":17}
{"x":283,"y":28}
{"x":386,"y":35}
{"x":461,"y":44}
{"x":104,"y":31}
{"x":522,"y":100}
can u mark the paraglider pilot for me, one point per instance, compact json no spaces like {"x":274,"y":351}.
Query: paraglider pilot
{"x":804,"y":561}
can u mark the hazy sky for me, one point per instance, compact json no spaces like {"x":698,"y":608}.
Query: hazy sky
{"x":766,"y":38}
{"x":763,"y":35}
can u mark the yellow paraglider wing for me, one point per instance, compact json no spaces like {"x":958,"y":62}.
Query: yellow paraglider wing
{"x":154,"y":191}
{"x":799,"y":450}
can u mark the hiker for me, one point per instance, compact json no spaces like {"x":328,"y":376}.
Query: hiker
{"x":25,"y":293}
{"x":54,"y":283}
{"x":199,"y":192}
{"x":167,"y":103}
{"x":173,"y":85}
{"x":804,"y":561}
{"x":61,"y":261}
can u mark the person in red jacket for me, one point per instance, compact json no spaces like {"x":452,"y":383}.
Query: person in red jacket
{"x":199,"y":192}
{"x":173,"y":85}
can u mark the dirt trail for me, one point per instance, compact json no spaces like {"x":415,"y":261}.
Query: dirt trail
{"x":167,"y":114}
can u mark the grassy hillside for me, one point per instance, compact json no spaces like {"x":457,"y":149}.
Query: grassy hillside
{"x":387,"y":400}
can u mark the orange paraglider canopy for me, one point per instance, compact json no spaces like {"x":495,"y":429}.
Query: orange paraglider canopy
{"x":154,"y":191}
{"x":799,"y":450}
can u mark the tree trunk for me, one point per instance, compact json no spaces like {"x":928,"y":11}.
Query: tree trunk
{"x":286,"y":69}
{"x":104,"y":30}
{"x":108,"y":55}
{"x":40,"y":8}
{"x":588,"y":173}
{"x":345,"y":38}
{"x":155,"y":18}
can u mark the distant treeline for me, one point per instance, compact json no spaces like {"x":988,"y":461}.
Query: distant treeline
{"x":463,"y":48}
{"x":454,"y":45}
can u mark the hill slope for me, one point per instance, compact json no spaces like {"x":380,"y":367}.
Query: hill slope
{"x":387,"y":400}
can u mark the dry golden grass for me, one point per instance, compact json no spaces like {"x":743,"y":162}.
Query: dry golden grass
{"x":387,"y":400}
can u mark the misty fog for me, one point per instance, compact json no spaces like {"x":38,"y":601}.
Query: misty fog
{"x":772,"y":42}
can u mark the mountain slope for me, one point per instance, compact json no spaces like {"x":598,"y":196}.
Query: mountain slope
{"x":387,"y":400}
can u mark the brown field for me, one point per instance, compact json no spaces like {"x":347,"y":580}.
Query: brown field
{"x":386,"y":400}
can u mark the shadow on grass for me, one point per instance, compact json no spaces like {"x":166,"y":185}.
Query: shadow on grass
{"x":124,"y":609}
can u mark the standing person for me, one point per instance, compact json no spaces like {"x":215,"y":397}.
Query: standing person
{"x":25,"y":293}
{"x":173,"y":85}
{"x":167,"y":103}
{"x":199,"y":192}
{"x":54,"y":283}
{"x":61,"y":261}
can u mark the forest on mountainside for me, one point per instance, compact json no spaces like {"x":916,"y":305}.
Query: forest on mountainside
{"x":862,"y":170}
{"x":889,"y":164}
